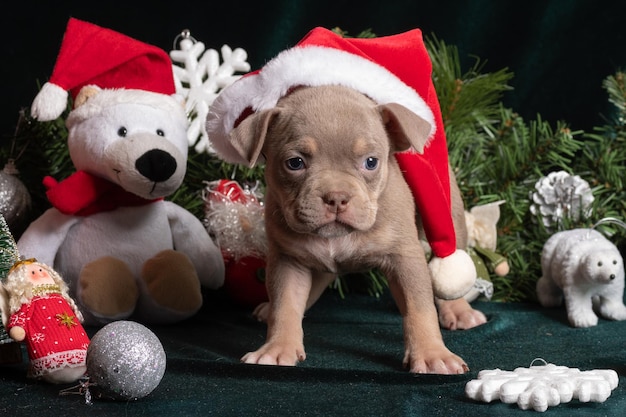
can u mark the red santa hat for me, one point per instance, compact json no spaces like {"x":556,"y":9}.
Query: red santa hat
{"x":92,"y":55}
{"x":387,"y":69}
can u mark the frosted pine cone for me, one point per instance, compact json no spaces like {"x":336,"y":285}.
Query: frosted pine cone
{"x":559,"y":196}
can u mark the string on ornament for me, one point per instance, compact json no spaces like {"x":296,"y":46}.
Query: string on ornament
{"x":610,"y":220}
{"x":532,"y":363}
{"x":82,"y":388}
{"x":183,"y":35}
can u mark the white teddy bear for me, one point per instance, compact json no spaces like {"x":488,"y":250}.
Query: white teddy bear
{"x":584,"y":269}
{"x":124,"y":251}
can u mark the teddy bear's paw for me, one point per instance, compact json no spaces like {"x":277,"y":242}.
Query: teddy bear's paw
{"x":172,"y":281}
{"x":107,"y":288}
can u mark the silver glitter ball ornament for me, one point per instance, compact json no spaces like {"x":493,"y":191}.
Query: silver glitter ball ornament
{"x":15,"y":200}
{"x":125,"y":361}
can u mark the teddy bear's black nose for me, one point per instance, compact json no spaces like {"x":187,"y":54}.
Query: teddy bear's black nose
{"x":156,"y":165}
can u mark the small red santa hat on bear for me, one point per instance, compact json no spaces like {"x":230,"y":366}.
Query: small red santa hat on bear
{"x":387,"y":69}
{"x":93,"y":55}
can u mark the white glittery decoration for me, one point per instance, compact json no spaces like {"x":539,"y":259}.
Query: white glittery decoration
{"x":125,"y":361}
{"x":559,"y":196}
{"x":540,"y":387}
{"x":236,"y":223}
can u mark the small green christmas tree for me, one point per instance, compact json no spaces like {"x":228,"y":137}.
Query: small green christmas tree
{"x":8,"y":256}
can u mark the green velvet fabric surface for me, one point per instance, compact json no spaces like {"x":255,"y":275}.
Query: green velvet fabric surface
{"x":353,"y":368}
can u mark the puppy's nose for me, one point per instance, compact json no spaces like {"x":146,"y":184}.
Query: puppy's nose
{"x":337,"y":201}
{"x":612,"y":277}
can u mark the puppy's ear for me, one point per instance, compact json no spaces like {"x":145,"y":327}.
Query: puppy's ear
{"x":248,"y":138}
{"x":405,"y":128}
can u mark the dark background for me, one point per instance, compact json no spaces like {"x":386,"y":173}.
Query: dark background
{"x":560,"y":51}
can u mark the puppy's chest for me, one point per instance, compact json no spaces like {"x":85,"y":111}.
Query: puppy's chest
{"x":338,"y":255}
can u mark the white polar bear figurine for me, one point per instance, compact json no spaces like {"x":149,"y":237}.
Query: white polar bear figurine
{"x":584,"y":269}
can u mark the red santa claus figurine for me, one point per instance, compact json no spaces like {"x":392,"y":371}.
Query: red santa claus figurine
{"x":41,"y":314}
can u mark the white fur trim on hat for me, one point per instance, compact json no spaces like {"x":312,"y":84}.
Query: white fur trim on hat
{"x":306,"y":66}
{"x":109,"y":97}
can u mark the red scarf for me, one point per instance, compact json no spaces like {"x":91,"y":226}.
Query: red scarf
{"x":83,"y":194}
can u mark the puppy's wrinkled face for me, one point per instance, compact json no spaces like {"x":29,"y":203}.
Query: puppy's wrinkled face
{"x":326,"y":162}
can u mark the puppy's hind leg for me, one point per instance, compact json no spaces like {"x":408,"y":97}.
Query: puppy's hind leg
{"x":458,"y":314}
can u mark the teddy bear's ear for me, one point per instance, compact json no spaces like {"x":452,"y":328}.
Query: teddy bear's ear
{"x":85,"y":94}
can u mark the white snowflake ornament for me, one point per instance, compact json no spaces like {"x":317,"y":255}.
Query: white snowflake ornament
{"x":199,"y":78}
{"x":540,"y":387}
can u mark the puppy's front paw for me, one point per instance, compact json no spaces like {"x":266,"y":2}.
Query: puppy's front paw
{"x":434,"y":361}
{"x":276,"y":354}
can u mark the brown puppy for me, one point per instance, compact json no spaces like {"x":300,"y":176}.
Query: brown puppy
{"x":336,"y":202}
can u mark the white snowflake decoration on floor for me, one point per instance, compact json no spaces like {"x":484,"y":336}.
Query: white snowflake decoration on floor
{"x":200,"y":77}
{"x":540,"y":387}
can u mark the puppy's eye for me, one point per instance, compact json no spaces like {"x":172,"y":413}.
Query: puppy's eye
{"x":295,"y":164}
{"x":160,"y":132}
{"x":370,"y":163}
{"x":122,"y":132}
{"x":614,"y":262}
{"x":600,"y":263}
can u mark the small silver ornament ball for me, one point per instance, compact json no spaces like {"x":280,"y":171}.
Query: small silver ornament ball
{"x":15,"y":200}
{"x":125,"y":361}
